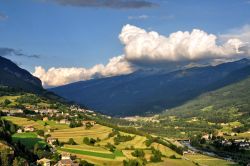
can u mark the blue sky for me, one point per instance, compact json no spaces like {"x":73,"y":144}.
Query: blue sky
{"x":77,"y":36}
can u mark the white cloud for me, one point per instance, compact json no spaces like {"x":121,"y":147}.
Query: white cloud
{"x":242,"y":34}
{"x":141,"y":47}
{"x":141,"y":17}
{"x":61,"y":76}
{"x":179,"y":46}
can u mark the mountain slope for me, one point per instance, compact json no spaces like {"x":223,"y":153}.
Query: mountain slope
{"x":13,"y":76}
{"x":140,"y":93}
{"x":218,"y":104}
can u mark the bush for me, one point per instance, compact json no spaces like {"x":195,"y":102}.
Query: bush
{"x":173,"y":157}
{"x":138,"y":153}
{"x":89,"y":141}
{"x":133,"y":162}
{"x":110,"y":147}
{"x":40,"y":133}
{"x":156,"y":157}
{"x":71,"y":142}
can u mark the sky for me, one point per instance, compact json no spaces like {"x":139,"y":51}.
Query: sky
{"x":63,"y":41}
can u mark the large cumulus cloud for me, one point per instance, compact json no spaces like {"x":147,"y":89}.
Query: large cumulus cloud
{"x":61,"y":76}
{"x":142,"y":47}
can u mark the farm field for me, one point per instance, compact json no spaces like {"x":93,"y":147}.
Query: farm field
{"x":98,"y":153}
{"x":11,"y":98}
{"x":209,"y":161}
{"x":173,"y":162}
{"x":88,"y":153}
{"x":79,"y":133}
{"x":28,"y":139}
{"x":39,"y":125}
{"x":24,"y":122}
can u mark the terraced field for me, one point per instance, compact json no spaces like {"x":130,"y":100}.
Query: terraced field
{"x":99,"y":154}
{"x":24,"y":122}
{"x":209,"y":161}
{"x":165,"y":150}
{"x":36,"y":124}
{"x":79,"y":133}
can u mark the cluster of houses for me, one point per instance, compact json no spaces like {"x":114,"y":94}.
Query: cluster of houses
{"x":242,"y":143}
{"x":12,"y":112}
{"x":28,"y":128}
{"x":65,"y":161}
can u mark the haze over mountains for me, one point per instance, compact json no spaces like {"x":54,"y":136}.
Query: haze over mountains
{"x":144,"y":92}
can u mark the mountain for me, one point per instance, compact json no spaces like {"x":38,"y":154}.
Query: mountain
{"x":13,"y":76}
{"x":227,"y":104}
{"x":150,"y":92}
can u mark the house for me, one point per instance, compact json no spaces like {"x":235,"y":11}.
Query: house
{"x":64,"y":121}
{"x":17,"y":111}
{"x":51,"y":140}
{"x":66,"y":160}
{"x":188,"y":152}
{"x":19,"y":131}
{"x":207,"y":136}
{"x":29,"y":129}
{"x":45,"y":119}
{"x":43,"y":162}
{"x":88,"y":121}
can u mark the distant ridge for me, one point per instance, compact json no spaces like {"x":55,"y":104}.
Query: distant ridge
{"x":141,"y":93}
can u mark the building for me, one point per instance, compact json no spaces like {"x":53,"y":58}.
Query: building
{"x":88,"y":121}
{"x":29,"y":129}
{"x":64,"y":121}
{"x":51,"y":140}
{"x":66,"y":160}
{"x":19,"y":131}
{"x":43,"y":162}
{"x":45,"y":119}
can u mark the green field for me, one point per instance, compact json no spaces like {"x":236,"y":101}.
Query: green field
{"x":89,"y":153}
{"x":28,"y":139}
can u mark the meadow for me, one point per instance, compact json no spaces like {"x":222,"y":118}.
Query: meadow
{"x":28,"y":139}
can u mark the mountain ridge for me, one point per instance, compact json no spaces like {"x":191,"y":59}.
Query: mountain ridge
{"x":136,"y":94}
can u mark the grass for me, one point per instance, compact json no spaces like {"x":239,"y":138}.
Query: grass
{"x":53,"y":125}
{"x":89,"y":153}
{"x":173,"y":162}
{"x":240,"y":136}
{"x":209,"y":161}
{"x":24,"y":122}
{"x":165,"y":150}
{"x":39,"y":125}
{"x":79,"y":133}
{"x":88,"y":148}
{"x":28,"y":139}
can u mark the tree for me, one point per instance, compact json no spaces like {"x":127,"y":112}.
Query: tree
{"x":88,"y":125}
{"x":18,"y":161}
{"x":6,"y":102}
{"x":71,"y":141}
{"x":86,"y":140}
{"x":4,"y":158}
{"x":138,"y":153}
{"x":132,"y":162}
{"x":156,"y":157}
{"x":85,"y":163}
{"x":40,"y":133}
{"x":110,"y":147}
